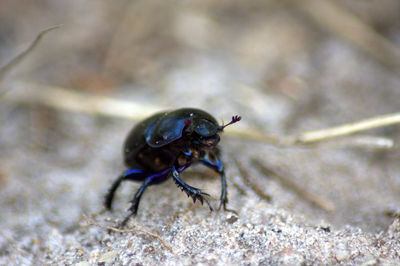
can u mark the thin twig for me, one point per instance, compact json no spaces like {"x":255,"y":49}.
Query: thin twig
{"x":251,"y":183}
{"x":319,"y":201}
{"x":7,"y":67}
{"x":177,"y":214}
{"x":137,"y":229}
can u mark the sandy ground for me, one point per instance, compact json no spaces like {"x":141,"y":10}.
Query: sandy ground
{"x":277,"y":65}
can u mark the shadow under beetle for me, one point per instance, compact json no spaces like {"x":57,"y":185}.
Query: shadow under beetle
{"x":164,"y":145}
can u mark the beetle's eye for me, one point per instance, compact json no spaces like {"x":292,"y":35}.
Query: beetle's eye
{"x":206,"y":128}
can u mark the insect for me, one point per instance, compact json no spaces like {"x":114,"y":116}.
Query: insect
{"x":166,"y":144}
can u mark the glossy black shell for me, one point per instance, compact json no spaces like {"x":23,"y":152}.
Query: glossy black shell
{"x":158,"y":137}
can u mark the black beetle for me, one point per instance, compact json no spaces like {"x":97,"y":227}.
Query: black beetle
{"x":167,"y":143}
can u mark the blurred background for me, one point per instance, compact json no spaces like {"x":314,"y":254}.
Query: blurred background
{"x":285,"y":66}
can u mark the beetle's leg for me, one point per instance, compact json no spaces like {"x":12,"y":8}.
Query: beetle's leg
{"x":149,"y":180}
{"x":110,"y":195}
{"x":193,"y":192}
{"x":131,"y":174}
{"x":135,"y":203}
{"x":218,"y":166}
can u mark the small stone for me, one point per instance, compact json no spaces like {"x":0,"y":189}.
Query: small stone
{"x":232,"y":219}
{"x":83,"y":263}
{"x":341,"y":254}
{"x":370,"y":262}
{"x":108,"y":257}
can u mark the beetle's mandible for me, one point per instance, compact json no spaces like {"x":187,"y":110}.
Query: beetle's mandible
{"x":164,"y":145}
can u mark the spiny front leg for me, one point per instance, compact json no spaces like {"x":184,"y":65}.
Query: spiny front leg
{"x":193,"y":192}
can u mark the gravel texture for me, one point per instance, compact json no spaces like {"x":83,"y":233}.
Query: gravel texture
{"x":266,"y":61}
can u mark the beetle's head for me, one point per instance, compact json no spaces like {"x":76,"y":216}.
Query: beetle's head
{"x":205,"y":132}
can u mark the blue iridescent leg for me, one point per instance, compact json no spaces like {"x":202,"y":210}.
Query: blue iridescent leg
{"x":149,"y":180}
{"x":131,"y":174}
{"x":218,"y":166}
{"x":193,"y":192}
{"x":135,"y":203}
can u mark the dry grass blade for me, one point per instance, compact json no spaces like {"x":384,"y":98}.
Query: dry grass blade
{"x":332,"y":17}
{"x":319,"y":201}
{"x":66,"y":99}
{"x":362,"y":141}
{"x":239,"y":188}
{"x":70,"y":100}
{"x":254,"y":134}
{"x":7,"y":67}
{"x":347,"y":129}
{"x":254,"y":186}
{"x":141,"y":230}
{"x":311,"y":137}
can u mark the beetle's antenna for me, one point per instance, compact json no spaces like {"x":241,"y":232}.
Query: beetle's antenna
{"x":235,"y":119}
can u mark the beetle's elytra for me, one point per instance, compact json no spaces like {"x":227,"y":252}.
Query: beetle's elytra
{"x":164,"y":145}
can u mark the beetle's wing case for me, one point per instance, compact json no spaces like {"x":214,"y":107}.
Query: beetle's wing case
{"x":164,"y":128}
{"x":170,"y":126}
{"x":167,"y":130}
{"x":136,"y":139}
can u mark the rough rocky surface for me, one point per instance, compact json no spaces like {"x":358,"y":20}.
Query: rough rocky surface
{"x":281,"y":71}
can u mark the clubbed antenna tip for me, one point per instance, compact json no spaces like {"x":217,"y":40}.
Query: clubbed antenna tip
{"x":235,"y":119}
